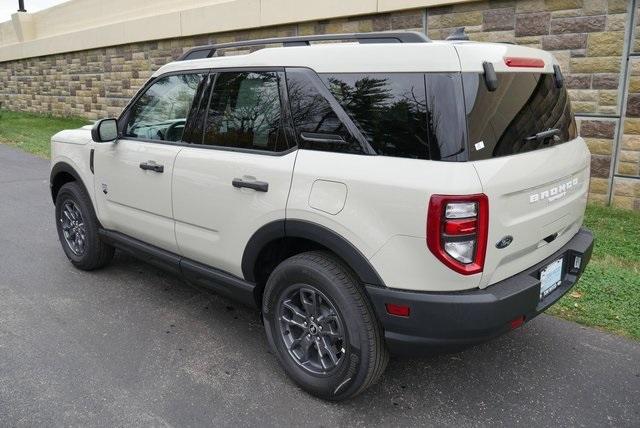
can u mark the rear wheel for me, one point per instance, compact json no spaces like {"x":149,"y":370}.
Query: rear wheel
{"x":322,"y":328}
{"x":77,"y":227}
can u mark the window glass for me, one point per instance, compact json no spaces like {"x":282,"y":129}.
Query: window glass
{"x":446,"y":120}
{"x":312,"y":114}
{"x":388,"y":109}
{"x":507,"y":120}
{"x":195,"y":128}
{"x":245,"y":112}
{"x":161,"y":112}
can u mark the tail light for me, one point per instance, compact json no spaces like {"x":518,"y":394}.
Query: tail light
{"x":514,"y":61}
{"x":457,"y":228}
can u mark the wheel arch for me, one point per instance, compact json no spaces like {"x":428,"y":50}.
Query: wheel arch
{"x":318,"y":236}
{"x":63,"y":173}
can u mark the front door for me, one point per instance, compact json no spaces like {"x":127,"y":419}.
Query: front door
{"x":238,"y":179}
{"x":133,"y":174}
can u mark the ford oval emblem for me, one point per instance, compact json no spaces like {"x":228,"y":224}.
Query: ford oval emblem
{"x":504,"y":242}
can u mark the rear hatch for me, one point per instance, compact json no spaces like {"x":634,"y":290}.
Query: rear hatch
{"x":522,"y":142}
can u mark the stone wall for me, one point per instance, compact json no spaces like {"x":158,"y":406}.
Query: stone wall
{"x":586,"y":36}
{"x":98,"y":83}
{"x":626,"y":182}
{"x":588,"y":39}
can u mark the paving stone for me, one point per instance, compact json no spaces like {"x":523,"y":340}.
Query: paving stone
{"x":598,"y":128}
{"x":583,"y":24}
{"x":531,"y":24}
{"x":606,"y":43}
{"x":499,"y":19}
{"x":606,"y":81}
{"x":578,"y":81}
{"x":633,"y":105}
{"x":564,"y":41}
{"x":600,"y":166}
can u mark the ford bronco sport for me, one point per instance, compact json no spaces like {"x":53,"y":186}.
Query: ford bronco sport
{"x":386,"y":195}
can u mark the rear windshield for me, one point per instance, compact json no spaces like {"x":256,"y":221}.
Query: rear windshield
{"x":526,"y":112}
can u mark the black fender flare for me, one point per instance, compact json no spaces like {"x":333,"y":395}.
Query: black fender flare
{"x":313,"y":232}
{"x":64,"y":167}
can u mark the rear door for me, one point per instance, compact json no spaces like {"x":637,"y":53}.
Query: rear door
{"x":236,"y":176}
{"x":532,"y":166}
{"x":133,"y":174}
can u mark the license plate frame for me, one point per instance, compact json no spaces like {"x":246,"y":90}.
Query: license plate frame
{"x":551,"y":277}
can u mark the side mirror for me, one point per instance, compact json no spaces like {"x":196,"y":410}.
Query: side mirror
{"x":105,"y":130}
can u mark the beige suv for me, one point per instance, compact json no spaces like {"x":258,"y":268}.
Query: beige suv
{"x":382,"y":194}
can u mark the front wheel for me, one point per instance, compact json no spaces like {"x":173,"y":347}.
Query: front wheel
{"x":77,"y":227}
{"x":322,"y":328}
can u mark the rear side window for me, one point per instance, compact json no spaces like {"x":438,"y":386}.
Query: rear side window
{"x":408,"y":115}
{"x":388,"y":109}
{"x":245,"y":112}
{"x":445,"y":117}
{"x":506,"y":121}
{"x":313,"y":115}
{"x":161,"y":112}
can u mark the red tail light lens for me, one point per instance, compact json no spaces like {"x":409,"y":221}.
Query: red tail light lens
{"x":514,"y":61}
{"x":457,"y":229}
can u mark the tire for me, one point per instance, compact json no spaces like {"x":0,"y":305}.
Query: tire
{"x":75,"y":216}
{"x":350,"y":364}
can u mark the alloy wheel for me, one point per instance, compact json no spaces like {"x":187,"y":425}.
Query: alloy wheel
{"x":73,"y":227}
{"x":311,"y":329}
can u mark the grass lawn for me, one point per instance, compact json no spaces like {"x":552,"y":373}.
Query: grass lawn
{"x":607,"y":296}
{"x":32,"y":132}
{"x":608,"y":293}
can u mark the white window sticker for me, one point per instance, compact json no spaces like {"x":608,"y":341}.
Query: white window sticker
{"x":479,"y":145}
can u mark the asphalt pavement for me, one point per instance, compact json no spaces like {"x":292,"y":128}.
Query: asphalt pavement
{"x":132,"y":345}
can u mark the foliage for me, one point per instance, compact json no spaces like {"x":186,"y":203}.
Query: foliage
{"x":32,"y":132}
{"x":608,"y":294}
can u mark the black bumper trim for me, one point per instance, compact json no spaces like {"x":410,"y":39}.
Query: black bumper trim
{"x":447,"y":321}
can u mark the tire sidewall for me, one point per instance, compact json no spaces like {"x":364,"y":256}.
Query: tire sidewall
{"x":73,"y":192}
{"x":351,"y":370}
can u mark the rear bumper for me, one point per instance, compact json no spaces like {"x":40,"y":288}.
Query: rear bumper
{"x":449,"y":321}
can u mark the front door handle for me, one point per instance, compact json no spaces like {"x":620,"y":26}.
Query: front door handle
{"x":151,"y":166}
{"x":260,"y":186}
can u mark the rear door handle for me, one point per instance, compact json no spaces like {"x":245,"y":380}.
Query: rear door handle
{"x":260,"y":186}
{"x":151,"y":166}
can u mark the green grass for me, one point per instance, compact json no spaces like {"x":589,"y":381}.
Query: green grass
{"x":607,"y":296}
{"x":32,"y":132}
{"x":608,"y":293}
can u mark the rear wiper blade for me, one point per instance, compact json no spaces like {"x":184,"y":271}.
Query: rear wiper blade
{"x":544,"y":135}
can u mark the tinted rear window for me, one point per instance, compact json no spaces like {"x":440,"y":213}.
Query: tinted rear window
{"x":408,"y":115}
{"x":505,"y":122}
{"x":388,"y":109}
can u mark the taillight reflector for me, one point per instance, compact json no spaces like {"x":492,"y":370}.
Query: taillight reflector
{"x":514,"y":61}
{"x":516,"y":322}
{"x":459,"y":243}
{"x":398,"y":310}
{"x":460,"y":227}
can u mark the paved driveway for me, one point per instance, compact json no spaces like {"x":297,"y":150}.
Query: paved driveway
{"x":130,"y":345}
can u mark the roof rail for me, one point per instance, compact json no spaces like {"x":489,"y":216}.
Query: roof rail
{"x":376,"y":37}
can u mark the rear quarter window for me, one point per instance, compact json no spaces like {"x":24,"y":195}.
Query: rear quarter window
{"x":408,"y":115}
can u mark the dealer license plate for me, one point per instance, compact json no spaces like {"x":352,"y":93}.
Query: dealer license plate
{"x":550,"y":278}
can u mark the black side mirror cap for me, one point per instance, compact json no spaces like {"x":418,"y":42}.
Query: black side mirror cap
{"x":105,"y":130}
{"x":490,"y":78}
